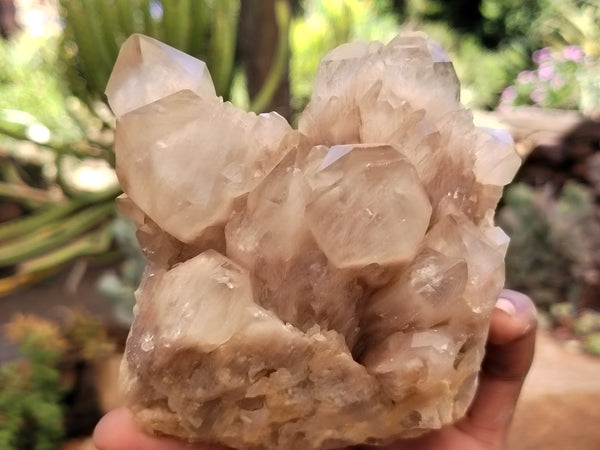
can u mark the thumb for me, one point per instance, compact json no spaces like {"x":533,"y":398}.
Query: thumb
{"x":509,"y":354}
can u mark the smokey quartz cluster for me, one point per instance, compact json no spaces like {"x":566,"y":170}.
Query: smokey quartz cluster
{"x":310,"y":288}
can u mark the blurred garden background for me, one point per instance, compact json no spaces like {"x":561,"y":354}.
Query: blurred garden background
{"x":69,"y":265}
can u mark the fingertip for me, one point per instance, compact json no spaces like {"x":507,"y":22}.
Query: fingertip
{"x":509,"y":354}
{"x":110,"y":430}
{"x":514,"y":317}
{"x":522,"y":305}
{"x":511,"y":339}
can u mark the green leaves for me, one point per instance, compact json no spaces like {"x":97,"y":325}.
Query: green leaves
{"x":41,"y":243}
{"x":31,"y":415}
{"x":560,"y":236}
{"x":206,"y":29}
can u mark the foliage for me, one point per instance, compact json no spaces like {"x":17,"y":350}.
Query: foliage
{"x":326,"y":24}
{"x":570,"y":23}
{"x":490,"y":40}
{"x":493,"y":23}
{"x":38,"y":139}
{"x":507,"y":20}
{"x":556,"y":81}
{"x":575,"y":324}
{"x":87,"y":338}
{"x":561,"y":235}
{"x":64,"y":231}
{"x":120,"y":286}
{"x":46,"y":146}
{"x":592,"y":344}
{"x":31,"y":392}
{"x":205,"y":29}
{"x":28,"y":68}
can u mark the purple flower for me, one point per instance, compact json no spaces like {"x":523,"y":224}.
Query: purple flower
{"x":541,"y":55}
{"x":509,"y":94}
{"x":573,"y":53}
{"x":546,"y":71}
{"x":538,"y":95}
{"x":527,"y":76}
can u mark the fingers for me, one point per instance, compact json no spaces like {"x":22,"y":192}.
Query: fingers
{"x":118,"y":431}
{"x":509,"y":354}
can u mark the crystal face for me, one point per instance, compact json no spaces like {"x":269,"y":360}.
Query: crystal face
{"x":311,"y":288}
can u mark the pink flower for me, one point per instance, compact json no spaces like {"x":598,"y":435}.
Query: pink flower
{"x":527,"y":76}
{"x":541,"y":55}
{"x":573,"y":53}
{"x":546,"y":71}
{"x":538,"y":96}
{"x":509,"y":94}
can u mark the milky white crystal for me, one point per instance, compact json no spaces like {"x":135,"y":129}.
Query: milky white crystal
{"x":308,"y":289}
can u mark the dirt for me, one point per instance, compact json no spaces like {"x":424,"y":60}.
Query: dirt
{"x":559,"y":406}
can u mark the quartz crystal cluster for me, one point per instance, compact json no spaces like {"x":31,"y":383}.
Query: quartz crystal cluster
{"x":310,"y":288}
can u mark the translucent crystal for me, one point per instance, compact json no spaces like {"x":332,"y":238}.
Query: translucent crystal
{"x":148,"y":70}
{"x":375,"y":212}
{"x":186,"y":187}
{"x":309,"y":289}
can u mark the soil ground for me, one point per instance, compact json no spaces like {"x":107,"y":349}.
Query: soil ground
{"x":559,"y":407}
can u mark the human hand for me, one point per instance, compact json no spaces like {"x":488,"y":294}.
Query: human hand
{"x":509,"y":353}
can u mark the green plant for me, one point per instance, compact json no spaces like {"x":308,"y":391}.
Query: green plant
{"x":490,"y":41}
{"x":563,"y":78}
{"x":35,"y":390}
{"x":40,"y":137}
{"x":580,"y":325}
{"x":87,"y":338}
{"x":31,"y":391}
{"x":119,"y":285}
{"x":46,"y":145}
{"x":570,"y":23}
{"x":28,"y":68}
{"x":509,"y":20}
{"x":205,"y":29}
{"x":553,"y":252}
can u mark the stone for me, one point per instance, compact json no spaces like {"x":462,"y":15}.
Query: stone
{"x":313,"y":288}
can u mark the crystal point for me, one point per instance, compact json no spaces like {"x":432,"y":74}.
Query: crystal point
{"x":310,"y":289}
{"x":148,"y":70}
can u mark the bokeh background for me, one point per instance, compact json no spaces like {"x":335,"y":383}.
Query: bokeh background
{"x":69,"y":264}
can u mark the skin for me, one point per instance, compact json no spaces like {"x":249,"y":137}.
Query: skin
{"x":509,"y":353}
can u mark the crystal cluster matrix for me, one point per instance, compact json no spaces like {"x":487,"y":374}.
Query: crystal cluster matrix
{"x":310,"y":288}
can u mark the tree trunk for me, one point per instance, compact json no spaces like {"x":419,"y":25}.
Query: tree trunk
{"x":257,"y":43}
{"x":8,"y":22}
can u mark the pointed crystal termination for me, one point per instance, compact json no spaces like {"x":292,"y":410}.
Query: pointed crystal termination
{"x":309,"y":289}
{"x":184,"y":156}
{"x":148,"y":70}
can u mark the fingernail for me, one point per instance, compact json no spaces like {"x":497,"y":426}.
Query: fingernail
{"x":517,"y":305}
{"x":507,"y":306}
